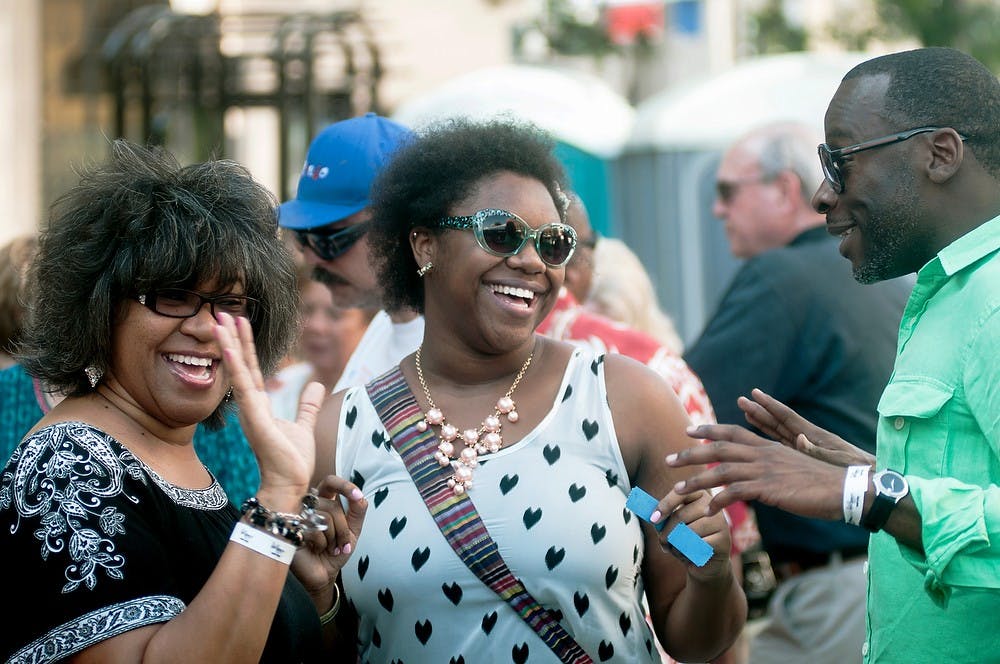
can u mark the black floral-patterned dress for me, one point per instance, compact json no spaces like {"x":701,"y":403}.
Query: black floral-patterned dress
{"x":97,"y":544}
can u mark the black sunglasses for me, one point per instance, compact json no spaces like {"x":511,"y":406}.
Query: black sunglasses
{"x":726,"y":190}
{"x":831,"y":159}
{"x":180,"y":303}
{"x":328,"y":244}
{"x":503,"y":233}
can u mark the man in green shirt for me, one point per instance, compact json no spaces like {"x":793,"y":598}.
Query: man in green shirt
{"x":912,"y":184}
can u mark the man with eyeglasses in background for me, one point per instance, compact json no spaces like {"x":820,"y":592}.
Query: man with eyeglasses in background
{"x":329,"y":219}
{"x":795,"y":324}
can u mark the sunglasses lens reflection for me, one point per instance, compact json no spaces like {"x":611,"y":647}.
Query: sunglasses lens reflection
{"x":505,"y":235}
{"x":555,"y":246}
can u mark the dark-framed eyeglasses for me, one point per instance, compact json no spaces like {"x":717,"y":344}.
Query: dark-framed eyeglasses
{"x":330,"y":243}
{"x":726,"y":190}
{"x":831,"y":159}
{"x":503,"y":233}
{"x":180,"y":303}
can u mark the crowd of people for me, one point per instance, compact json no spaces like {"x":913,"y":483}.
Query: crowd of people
{"x":402,"y":416}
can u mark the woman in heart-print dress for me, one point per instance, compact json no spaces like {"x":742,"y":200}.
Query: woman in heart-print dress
{"x":547,"y":439}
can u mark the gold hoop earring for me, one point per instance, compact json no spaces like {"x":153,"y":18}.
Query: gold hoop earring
{"x":427,"y":267}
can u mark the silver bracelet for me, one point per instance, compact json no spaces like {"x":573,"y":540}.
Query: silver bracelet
{"x":855,"y":488}
{"x":291,"y":527}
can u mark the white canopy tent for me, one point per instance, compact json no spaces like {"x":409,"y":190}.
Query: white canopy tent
{"x":590,"y":121}
{"x":577,"y":108}
{"x":712,"y":113}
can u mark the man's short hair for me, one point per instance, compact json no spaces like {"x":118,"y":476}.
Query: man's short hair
{"x":942,"y":87}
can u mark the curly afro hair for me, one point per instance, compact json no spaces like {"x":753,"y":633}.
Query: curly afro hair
{"x":437,"y":170}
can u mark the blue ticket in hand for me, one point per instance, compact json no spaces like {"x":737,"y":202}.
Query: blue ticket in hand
{"x":681,"y":537}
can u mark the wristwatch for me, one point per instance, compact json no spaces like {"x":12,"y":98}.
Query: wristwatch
{"x":890,"y":488}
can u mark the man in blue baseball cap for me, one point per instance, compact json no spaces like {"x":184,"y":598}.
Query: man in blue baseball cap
{"x":329,"y":218}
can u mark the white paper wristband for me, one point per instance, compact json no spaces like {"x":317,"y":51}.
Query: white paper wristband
{"x":855,"y":488}
{"x":263,"y":543}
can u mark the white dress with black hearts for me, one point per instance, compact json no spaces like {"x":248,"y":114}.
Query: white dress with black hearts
{"x":555,"y":504}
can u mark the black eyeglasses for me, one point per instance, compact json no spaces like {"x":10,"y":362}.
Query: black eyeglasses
{"x":328,"y":244}
{"x":503,"y":233}
{"x":831,"y":159}
{"x":180,"y":303}
{"x":725,"y":190}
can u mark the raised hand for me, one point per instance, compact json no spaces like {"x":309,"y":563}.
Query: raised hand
{"x":782,"y":423}
{"x":285,"y":451}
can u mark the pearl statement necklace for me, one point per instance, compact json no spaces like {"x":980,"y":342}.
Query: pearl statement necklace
{"x":487,"y":438}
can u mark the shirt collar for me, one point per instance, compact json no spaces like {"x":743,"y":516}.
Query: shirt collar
{"x":974,"y":245}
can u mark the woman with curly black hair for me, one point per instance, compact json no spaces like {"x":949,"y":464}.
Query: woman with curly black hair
{"x":151,"y":282}
{"x":498,"y":461}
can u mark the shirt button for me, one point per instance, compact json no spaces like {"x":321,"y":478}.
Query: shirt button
{"x":864,"y":649}
{"x":898,"y":423}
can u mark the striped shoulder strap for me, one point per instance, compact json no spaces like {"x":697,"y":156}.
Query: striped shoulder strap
{"x":456,"y":515}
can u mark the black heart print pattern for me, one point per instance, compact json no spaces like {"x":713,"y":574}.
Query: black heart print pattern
{"x":419,"y":557}
{"x":453,"y":592}
{"x":507,"y":483}
{"x":379,"y":439}
{"x":397,"y":526}
{"x":531,"y":517}
{"x":423,"y":629}
{"x":553,"y":557}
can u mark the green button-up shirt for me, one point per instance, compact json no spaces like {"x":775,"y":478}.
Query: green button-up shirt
{"x":939,"y":425}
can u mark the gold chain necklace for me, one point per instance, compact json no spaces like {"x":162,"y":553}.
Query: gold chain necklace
{"x":487,"y":438}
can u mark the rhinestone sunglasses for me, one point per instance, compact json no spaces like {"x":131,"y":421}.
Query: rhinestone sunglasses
{"x":503,"y":233}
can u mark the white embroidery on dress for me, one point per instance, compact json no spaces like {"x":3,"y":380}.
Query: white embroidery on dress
{"x":96,"y":626}
{"x":71,"y":511}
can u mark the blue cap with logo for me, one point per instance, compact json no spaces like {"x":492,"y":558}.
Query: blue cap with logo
{"x":341,"y":164}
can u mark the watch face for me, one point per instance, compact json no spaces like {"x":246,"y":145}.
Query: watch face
{"x":892,"y":483}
